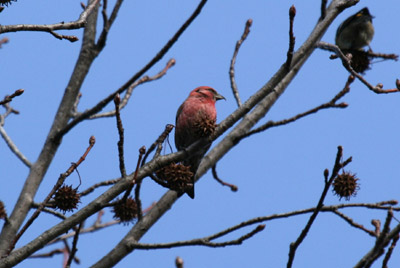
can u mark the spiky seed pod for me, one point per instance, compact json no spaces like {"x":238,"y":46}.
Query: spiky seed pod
{"x":204,"y":127}
{"x":126,"y":211}
{"x":177,"y":176}
{"x":66,"y":198}
{"x":6,"y":2}
{"x":3,"y":213}
{"x":345,"y":185}
{"x":360,"y":61}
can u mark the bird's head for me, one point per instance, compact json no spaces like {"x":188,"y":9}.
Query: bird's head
{"x":206,"y":93}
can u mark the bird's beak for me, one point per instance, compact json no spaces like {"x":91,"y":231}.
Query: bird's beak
{"x":219,"y":97}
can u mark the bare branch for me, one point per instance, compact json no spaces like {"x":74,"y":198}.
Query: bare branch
{"x":50,"y":211}
{"x":59,"y":182}
{"x":14,"y":147}
{"x":120,"y":128}
{"x":9,"y":98}
{"x":323,"y":9}
{"x":93,"y":228}
{"x":390,"y":251}
{"x":382,"y":241}
{"x":234,"y":87}
{"x":124,"y":87}
{"x":304,"y":232}
{"x":4,"y":40}
{"x":103,"y":183}
{"x":233,"y":187}
{"x":74,"y":244}
{"x":292,"y":38}
{"x":129,"y":91}
{"x":354,"y":224}
{"x":206,"y":241}
{"x":330,"y":104}
{"x":347,"y":64}
{"x":50,"y":28}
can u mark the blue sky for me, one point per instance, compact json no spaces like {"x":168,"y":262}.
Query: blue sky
{"x":280,"y":170}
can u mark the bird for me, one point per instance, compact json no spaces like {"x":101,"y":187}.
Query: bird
{"x":196,"y":119}
{"x":356,"y":31}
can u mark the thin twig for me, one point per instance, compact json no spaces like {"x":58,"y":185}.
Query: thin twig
{"x":233,"y":187}
{"x":130,"y":89}
{"x":101,"y":42}
{"x":4,"y":40}
{"x":71,"y":38}
{"x":346,"y":63}
{"x":74,"y":244}
{"x":330,"y":104}
{"x":354,"y":224}
{"x":50,"y":211}
{"x":50,"y":28}
{"x":233,"y":61}
{"x":381,"y":242}
{"x":178,"y":262}
{"x":292,"y":38}
{"x":142,"y":151}
{"x":385,"y":56}
{"x":390,"y":251}
{"x":52,"y":253}
{"x":304,"y":232}
{"x":9,"y":98}
{"x":14,"y":147}
{"x":206,"y":241}
{"x":92,"y":188}
{"x":160,"y":140}
{"x":90,"y":229}
{"x":59,"y":182}
{"x":323,"y":9}
{"x":98,"y":107}
{"x":120,"y":128}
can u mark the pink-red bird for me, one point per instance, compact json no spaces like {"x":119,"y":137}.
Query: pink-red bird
{"x":196,"y":119}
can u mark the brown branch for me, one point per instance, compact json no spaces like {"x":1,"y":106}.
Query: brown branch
{"x":92,"y":188}
{"x":13,"y":147}
{"x":50,"y":28}
{"x":71,"y":38}
{"x":233,"y":187}
{"x":59,"y":182}
{"x":9,"y":98}
{"x":178,"y":262}
{"x":330,"y":104}
{"x":74,"y":244}
{"x":206,"y":241}
{"x":160,"y":140}
{"x":292,"y":38}
{"x":120,"y":128}
{"x":142,"y":151}
{"x":52,"y":253}
{"x":385,"y":56}
{"x":3,"y":41}
{"x":124,"y":87}
{"x":390,"y":251}
{"x":50,"y":211}
{"x":347,"y":65}
{"x":382,"y":241}
{"x":354,"y":224}
{"x":130,"y":89}
{"x":323,"y":9}
{"x":93,"y":228}
{"x":233,"y":61}
{"x":336,"y":168}
{"x":101,"y":42}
